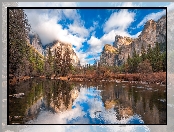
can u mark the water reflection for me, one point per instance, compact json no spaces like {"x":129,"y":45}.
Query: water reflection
{"x":59,"y":102}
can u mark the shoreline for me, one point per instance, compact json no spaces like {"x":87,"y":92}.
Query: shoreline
{"x":158,"y":78}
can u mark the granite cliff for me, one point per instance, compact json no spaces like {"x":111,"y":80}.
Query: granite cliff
{"x":58,"y":44}
{"x":35,"y":41}
{"x":153,"y":31}
{"x":108,"y":55}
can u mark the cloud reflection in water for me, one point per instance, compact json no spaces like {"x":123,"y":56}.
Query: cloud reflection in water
{"x":87,"y":108}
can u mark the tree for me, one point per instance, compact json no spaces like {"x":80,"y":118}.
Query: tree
{"x":39,"y":65}
{"x":133,"y":62}
{"x":164,"y":61}
{"x":143,"y":53}
{"x":54,"y":62}
{"x":145,"y":67}
{"x":149,"y":53}
{"x":159,"y":58}
{"x":156,"y":58}
{"x":58,"y":61}
{"x":130,"y":65}
{"x":49,"y":63}
{"x":18,"y":34}
{"x":67,"y":65}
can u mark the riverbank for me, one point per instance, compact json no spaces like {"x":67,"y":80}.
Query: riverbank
{"x":159,"y":78}
{"x":14,"y":80}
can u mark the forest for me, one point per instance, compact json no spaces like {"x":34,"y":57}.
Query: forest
{"x":24,"y":61}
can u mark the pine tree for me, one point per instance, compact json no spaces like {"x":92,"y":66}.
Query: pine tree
{"x":133,"y":62}
{"x":156,"y":59}
{"x":143,"y":53}
{"x":129,"y":62}
{"x":58,"y":61}
{"x":49,"y":63}
{"x":67,"y":65}
{"x":18,"y":33}
{"x":145,"y":67}
{"x":54,"y":62}
{"x":149,"y":53}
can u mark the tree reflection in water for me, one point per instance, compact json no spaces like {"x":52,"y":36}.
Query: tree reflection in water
{"x":96,"y":103}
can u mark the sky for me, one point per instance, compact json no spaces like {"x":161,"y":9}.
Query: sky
{"x":88,"y":30}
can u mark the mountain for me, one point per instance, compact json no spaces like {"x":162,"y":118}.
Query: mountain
{"x":58,"y":44}
{"x":108,"y":54}
{"x":153,"y":31}
{"x":35,"y":41}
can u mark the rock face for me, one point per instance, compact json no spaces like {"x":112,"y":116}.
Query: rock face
{"x":57,"y":44}
{"x":122,"y":41}
{"x":36,"y":43}
{"x":153,"y":32}
{"x":124,"y":47}
{"x":108,"y":55}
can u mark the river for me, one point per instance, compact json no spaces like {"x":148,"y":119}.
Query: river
{"x":44,"y":101}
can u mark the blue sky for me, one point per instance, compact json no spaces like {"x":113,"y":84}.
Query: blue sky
{"x":88,"y":30}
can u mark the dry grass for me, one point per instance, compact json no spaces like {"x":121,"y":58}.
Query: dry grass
{"x":159,"y":77}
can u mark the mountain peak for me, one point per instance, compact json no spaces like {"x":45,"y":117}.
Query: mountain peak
{"x":110,"y":48}
{"x":150,"y":24}
{"x":152,"y":32}
{"x":122,"y":40}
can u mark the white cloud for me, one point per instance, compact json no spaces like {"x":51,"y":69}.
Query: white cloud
{"x":153,"y":16}
{"x":110,"y":37}
{"x":136,"y":35}
{"x":94,"y":41}
{"x":119,"y":20}
{"x":82,"y":56}
{"x":94,"y":26}
{"x":45,"y":23}
{"x":73,"y":39}
{"x":95,"y":45}
{"x":71,"y":14}
{"x":80,"y":30}
{"x":47,"y":28}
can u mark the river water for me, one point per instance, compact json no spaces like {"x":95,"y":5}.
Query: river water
{"x":43,"y":101}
